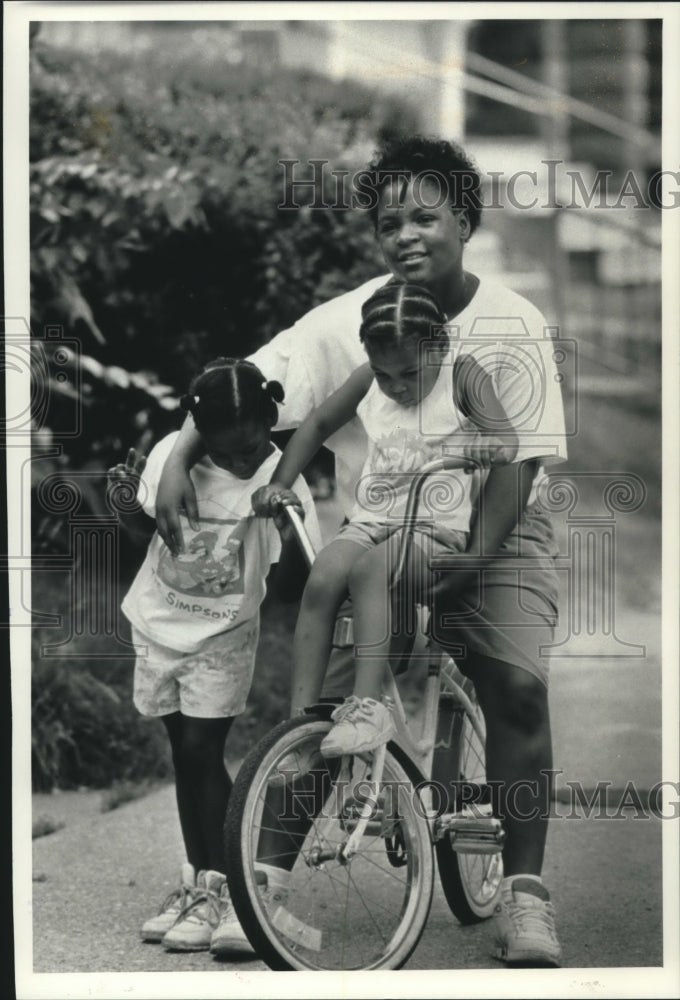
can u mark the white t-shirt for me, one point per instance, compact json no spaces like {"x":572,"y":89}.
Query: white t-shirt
{"x":401,"y":440}
{"x":501,"y":329}
{"x":219,"y":580}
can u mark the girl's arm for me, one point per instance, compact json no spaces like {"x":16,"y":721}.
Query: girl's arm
{"x":138,"y":525}
{"x":328,"y":418}
{"x":175,"y":488}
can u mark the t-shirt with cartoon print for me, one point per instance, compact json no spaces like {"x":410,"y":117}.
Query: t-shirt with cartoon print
{"x":401,"y":440}
{"x":218,"y":582}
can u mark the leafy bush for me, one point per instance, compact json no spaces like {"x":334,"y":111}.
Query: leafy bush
{"x":86,"y":731}
{"x":155,"y":229}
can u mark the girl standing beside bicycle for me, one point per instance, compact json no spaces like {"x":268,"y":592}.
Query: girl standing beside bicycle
{"x":195,"y":619}
{"x":415,"y":405}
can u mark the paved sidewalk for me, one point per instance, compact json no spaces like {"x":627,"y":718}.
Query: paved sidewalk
{"x":100,"y":876}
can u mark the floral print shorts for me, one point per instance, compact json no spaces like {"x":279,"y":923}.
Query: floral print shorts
{"x":211,"y":683}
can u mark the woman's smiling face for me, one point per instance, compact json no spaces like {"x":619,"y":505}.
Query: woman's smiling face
{"x":420,"y":245}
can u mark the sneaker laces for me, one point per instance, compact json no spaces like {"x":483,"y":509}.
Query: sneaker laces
{"x":539,"y":920}
{"x":204,"y":906}
{"x":356,"y":712}
{"x":348,"y":705}
{"x":176,"y":900}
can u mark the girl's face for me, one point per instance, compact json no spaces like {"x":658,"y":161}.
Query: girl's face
{"x":240,"y":450}
{"x":421,"y":245}
{"x":405,"y":372}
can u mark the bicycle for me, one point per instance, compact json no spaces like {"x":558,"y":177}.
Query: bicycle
{"x":359,"y":833}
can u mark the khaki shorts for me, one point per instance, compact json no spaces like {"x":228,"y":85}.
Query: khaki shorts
{"x":212,"y":683}
{"x":508,"y":616}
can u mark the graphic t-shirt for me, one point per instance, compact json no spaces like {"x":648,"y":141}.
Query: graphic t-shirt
{"x":218,"y":582}
{"x":401,"y":440}
{"x":504,"y":332}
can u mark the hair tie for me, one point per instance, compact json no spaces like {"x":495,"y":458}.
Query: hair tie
{"x":189,"y":403}
{"x":275,"y":390}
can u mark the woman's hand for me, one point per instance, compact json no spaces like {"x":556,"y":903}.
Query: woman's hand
{"x":176,"y":494}
{"x":490,"y":450}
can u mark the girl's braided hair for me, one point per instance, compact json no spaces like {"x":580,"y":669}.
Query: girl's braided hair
{"x":399,"y":311}
{"x":232,"y":391}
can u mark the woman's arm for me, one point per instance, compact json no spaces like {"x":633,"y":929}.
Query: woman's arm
{"x":328,"y":418}
{"x":175,"y":488}
{"x":475,"y":396}
{"x":501,"y":505}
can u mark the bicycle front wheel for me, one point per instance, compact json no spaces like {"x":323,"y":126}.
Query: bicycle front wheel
{"x":471,"y":881}
{"x":293,"y":809}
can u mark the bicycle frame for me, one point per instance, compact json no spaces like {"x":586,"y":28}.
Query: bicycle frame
{"x":420,"y":748}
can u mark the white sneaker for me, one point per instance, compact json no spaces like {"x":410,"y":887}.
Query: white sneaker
{"x":157,"y":927}
{"x":229,"y":937}
{"x":193,"y":929}
{"x":361,"y":724}
{"x":525,"y":924}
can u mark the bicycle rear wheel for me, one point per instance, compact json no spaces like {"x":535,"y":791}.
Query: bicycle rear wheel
{"x":471,"y":881}
{"x":292,"y":808}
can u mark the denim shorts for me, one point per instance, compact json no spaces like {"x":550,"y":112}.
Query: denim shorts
{"x":434,"y":539}
{"x":509,"y":614}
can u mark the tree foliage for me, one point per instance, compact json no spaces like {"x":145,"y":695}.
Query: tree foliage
{"x":157,"y":243}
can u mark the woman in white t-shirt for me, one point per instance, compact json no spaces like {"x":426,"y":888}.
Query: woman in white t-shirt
{"x":195,"y":621}
{"x":425,"y":206}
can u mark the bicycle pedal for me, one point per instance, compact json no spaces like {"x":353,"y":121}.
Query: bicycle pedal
{"x":471,"y":834}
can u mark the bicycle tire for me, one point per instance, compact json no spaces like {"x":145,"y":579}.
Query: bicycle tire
{"x":471,"y":882}
{"x":331,"y":920}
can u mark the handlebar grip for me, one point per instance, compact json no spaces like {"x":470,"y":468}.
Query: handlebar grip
{"x":301,"y":536}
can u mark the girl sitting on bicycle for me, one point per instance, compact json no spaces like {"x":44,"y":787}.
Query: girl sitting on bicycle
{"x":195,"y":619}
{"x":415,"y":404}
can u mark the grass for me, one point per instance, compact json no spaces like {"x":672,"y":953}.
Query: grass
{"x":124,"y":791}
{"x":43,"y":826}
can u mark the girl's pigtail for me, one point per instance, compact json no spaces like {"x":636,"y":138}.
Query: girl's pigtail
{"x":188,"y":402}
{"x":274,"y":389}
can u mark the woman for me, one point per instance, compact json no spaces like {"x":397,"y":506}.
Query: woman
{"x":427,"y":207}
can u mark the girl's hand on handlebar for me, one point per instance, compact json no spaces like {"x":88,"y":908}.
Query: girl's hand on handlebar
{"x":270,"y":500}
{"x":176,"y":494}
